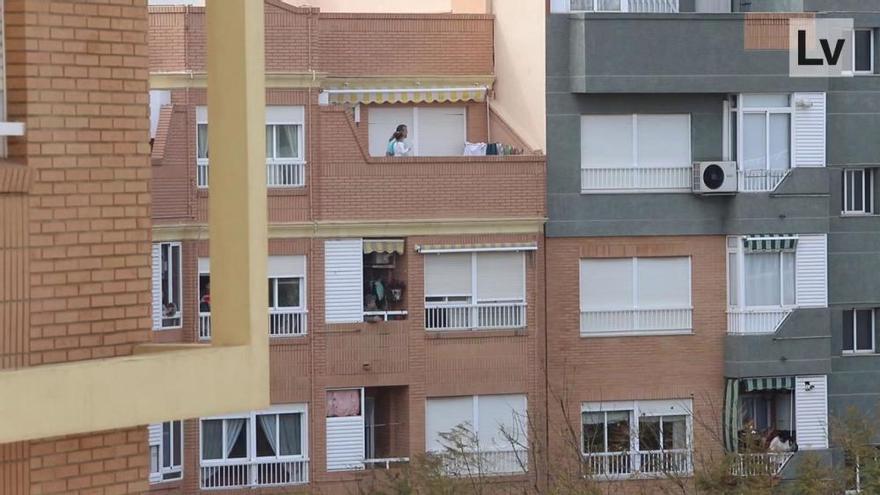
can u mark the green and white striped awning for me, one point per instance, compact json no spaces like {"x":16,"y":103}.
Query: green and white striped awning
{"x":383,"y":246}
{"x":403,"y":95}
{"x":768,"y":383}
{"x":770,"y":242}
{"x":489,"y":246}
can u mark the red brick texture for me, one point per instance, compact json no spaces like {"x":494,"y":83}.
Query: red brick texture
{"x":77,"y":76}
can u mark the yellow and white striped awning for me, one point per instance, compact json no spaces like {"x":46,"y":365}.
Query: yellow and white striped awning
{"x":434,"y":94}
{"x":383,"y":246}
{"x":464,"y":248}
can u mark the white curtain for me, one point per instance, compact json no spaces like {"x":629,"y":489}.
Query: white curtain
{"x":290,"y":434}
{"x":288,"y":141}
{"x":202,"y":141}
{"x":754,"y":141}
{"x":788,"y":275}
{"x":780,"y":141}
{"x":267,"y":421}
{"x":233,"y":430}
{"x":762,"y":279}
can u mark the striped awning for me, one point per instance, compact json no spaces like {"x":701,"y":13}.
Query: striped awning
{"x":434,"y":94}
{"x":770,"y":242}
{"x":730,"y":418}
{"x":383,"y":246}
{"x":768,"y":383}
{"x":462,"y":248}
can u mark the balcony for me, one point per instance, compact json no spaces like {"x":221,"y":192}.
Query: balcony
{"x":760,"y":464}
{"x":660,"y":179}
{"x":246,"y":473}
{"x":479,"y":316}
{"x":279,"y":173}
{"x":636,"y":321}
{"x":651,"y":463}
{"x":486,"y":463}
{"x":760,"y":180}
{"x":752,"y":321}
{"x":656,"y":53}
{"x":282,"y":323}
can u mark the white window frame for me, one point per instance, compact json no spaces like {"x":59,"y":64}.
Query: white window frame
{"x":251,"y":425}
{"x":871,"y":48}
{"x":635,"y":283}
{"x":169,"y":284}
{"x":739,"y":110}
{"x":273,"y":305}
{"x":161,"y":474}
{"x":474,"y":426}
{"x":634,"y":409}
{"x":300,"y":138}
{"x":739,"y":251}
{"x":472,"y":297}
{"x":855,"y":349}
{"x":867,"y":186}
{"x":414,"y":135}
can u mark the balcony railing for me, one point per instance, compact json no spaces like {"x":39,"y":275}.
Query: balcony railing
{"x":279,"y":173}
{"x":384,"y":315}
{"x":636,"y":320}
{"x":248,"y":473}
{"x":755,"y":321}
{"x":282,"y":323}
{"x":760,"y":464}
{"x":287,"y":322}
{"x":481,"y":316}
{"x":204,"y":326}
{"x":760,"y":180}
{"x":645,"y":463}
{"x":644,"y":6}
{"x":385,"y":463}
{"x":664,"y":179}
{"x":486,"y":463}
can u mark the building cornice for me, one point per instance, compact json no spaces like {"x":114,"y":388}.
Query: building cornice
{"x":315,"y":79}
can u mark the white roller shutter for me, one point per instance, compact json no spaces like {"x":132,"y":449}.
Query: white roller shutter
{"x":442,"y":414}
{"x":382,"y":122}
{"x":809,"y":130}
{"x":448,"y":274}
{"x":812,"y":271}
{"x":606,"y":284}
{"x":502,"y":421}
{"x":441,"y":131}
{"x":811,"y":412}
{"x":157,"y":286}
{"x":277,"y":114}
{"x":500,"y":277}
{"x":286,"y":266}
{"x":607,"y":141}
{"x":343,"y":281}
{"x":154,"y":433}
{"x":345,"y":443}
{"x":204,"y":265}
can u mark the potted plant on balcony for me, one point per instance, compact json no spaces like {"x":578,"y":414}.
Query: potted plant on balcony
{"x":396,"y":288}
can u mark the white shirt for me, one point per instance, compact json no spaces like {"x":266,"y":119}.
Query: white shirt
{"x":402,"y":148}
{"x":777,"y":445}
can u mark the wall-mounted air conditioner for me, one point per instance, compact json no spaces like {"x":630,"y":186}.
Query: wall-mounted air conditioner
{"x":716,"y":177}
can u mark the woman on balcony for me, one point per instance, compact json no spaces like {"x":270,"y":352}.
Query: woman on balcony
{"x":397,"y":146}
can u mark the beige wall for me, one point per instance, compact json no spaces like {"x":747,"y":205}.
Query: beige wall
{"x":519,"y":68}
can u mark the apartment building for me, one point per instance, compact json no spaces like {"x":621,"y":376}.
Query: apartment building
{"x":678,"y":318}
{"x":403,"y":292}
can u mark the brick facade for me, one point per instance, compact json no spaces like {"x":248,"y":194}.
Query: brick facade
{"x":76,"y":238}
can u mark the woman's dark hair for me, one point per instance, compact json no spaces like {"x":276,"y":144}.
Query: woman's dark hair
{"x":398,"y":134}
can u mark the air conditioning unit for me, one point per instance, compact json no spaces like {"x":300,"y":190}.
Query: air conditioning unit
{"x":714,"y":177}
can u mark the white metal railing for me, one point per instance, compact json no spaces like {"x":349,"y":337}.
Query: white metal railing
{"x":287,"y":322}
{"x":760,"y":464}
{"x":757,"y":320}
{"x":384,"y":315}
{"x":285,"y":173}
{"x":202,"y":172}
{"x":386,"y":462}
{"x":642,"y":6}
{"x":204,"y":325}
{"x":636,"y":320}
{"x":760,"y":180}
{"x":649,"y":462}
{"x":246,"y":473}
{"x":475,"y":316}
{"x":279,"y":173}
{"x":601,"y":180}
{"x":486,"y":463}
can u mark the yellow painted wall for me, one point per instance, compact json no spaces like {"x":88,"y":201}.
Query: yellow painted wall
{"x":520,"y":68}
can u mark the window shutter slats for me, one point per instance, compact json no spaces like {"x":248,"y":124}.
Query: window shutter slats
{"x":157,"y":286}
{"x":809,"y":129}
{"x":500,"y":277}
{"x":286,"y":266}
{"x":345,"y":443}
{"x":811,"y":412}
{"x":812,"y":271}
{"x":343,"y":281}
{"x":448,"y":274}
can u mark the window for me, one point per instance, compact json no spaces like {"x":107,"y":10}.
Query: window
{"x":432,"y":130}
{"x":167,"y":289}
{"x":274,"y":440}
{"x":384,"y":279}
{"x":625,"y":152}
{"x":287,"y":306}
{"x":763,"y":125}
{"x":493,"y":425}
{"x":166,"y":451}
{"x":761,"y":278}
{"x":629,"y":437}
{"x":858,"y":191}
{"x":632,"y":295}
{"x":473,"y":290}
{"x":283,"y":142}
{"x":863,"y":51}
{"x":858,"y":331}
